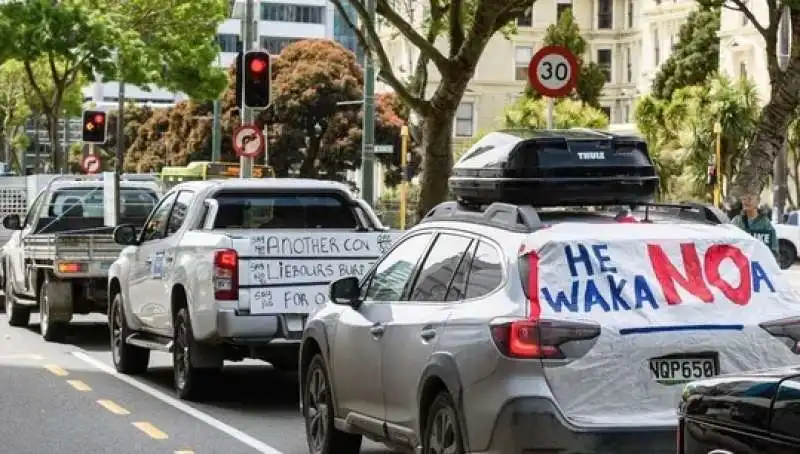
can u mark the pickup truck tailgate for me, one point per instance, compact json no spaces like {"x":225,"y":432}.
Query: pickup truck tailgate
{"x":288,"y":272}
{"x":74,"y":255}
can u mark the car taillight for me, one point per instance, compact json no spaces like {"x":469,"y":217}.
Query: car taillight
{"x":786,"y":329}
{"x":226,"y":274}
{"x":539,"y":339}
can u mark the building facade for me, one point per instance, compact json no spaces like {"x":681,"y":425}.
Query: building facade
{"x":628,"y":38}
{"x":280,"y":23}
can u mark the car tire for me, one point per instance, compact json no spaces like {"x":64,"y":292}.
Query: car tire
{"x":322,"y":436}
{"x":51,"y":331}
{"x":442,"y":427}
{"x":787,"y":254}
{"x":191,"y":383}
{"x":128,"y":359}
{"x":18,"y":315}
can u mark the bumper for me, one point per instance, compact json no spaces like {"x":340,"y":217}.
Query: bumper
{"x":254,"y":328}
{"x":536,"y":426}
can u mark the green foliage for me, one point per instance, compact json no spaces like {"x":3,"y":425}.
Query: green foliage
{"x":591,"y":80}
{"x":680,"y":132}
{"x":694,"y":57}
{"x":567,"y":113}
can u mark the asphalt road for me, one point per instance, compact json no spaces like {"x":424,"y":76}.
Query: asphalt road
{"x":67,"y":398}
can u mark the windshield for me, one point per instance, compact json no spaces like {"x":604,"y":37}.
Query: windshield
{"x":283,"y":211}
{"x":87,"y":202}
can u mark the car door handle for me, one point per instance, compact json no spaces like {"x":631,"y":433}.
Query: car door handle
{"x":427,"y":334}
{"x":377,"y":330}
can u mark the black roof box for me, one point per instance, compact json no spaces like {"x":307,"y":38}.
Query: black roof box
{"x":555,"y":168}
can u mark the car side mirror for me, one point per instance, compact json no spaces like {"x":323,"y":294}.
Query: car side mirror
{"x":12,"y":222}
{"x":345,"y":291}
{"x":126,"y":235}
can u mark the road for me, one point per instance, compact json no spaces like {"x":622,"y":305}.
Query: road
{"x":66,"y":398}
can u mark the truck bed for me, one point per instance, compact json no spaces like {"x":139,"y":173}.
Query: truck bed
{"x":80,"y":254}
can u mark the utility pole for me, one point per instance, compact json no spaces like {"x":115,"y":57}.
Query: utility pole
{"x":248,"y":32}
{"x":368,"y":127}
{"x":216,"y":128}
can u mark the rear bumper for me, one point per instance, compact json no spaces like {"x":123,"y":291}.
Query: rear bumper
{"x":253,"y":329}
{"x":535,"y":426}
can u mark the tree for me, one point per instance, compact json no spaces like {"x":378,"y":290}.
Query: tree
{"x":777,"y":113}
{"x":531,"y":113}
{"x":14,"y":109}
{"x":592,"y":78}
{"x":694,"y":57}
{"x":680,"y":132}
{"x":463,"y":28}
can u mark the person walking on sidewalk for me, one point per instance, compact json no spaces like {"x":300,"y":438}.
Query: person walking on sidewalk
{"x":756,"y":223}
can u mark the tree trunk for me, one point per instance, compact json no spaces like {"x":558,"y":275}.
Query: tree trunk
{"x":758,"y":160}
{"x":437,"y":143}
{"x":52,"y":133}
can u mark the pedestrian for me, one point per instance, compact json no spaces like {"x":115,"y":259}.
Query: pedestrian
{"x":757,"y":223}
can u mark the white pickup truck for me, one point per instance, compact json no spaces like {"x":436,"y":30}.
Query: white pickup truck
{"x":231,"y":269}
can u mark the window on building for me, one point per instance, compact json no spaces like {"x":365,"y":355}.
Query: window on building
{"x":743,"y":70}
{"x":627,"y":113}
{"x":630,"y":13}
{"x":228,"y":42}
{"x":629,"y":64}
{"x":465,"y":117}
{"x":656,"y":48}
{"x":281,"y":12}
{"x":605,"y":14}
{"x":275,"y":45}
{"x":604,"y":61}
{"x":606,"y":111}
{"x":784,"y":37}
{"x":526,"y":18}
{"x":745,"y":20}
{"x":522,"y":57}
{"x":561,"y":8}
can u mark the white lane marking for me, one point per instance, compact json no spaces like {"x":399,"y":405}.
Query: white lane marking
{"x":258,"y":445}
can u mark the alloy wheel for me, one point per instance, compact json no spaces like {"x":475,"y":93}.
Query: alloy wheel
{"x":442,"y":438}
{"x":317,"y":410}
{"x":116,"y":333}
{"x":44,"y":311}
{"x":181,"y":355}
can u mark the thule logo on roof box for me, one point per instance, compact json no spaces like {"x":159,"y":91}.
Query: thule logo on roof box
{"x":591,"y":155}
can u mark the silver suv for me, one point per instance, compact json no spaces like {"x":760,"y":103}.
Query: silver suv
{"x":436,"y":349}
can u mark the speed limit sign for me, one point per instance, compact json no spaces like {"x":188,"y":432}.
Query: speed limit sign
{"x":553,"y":71}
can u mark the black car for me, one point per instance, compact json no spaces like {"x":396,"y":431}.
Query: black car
{"x":755,"y":413}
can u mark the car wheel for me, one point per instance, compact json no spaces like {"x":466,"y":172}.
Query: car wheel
{"x":786,"y":254}
{"x":191,"y":383}
{"x":17,"y":314}
{"x":321,"y":435}
{"x":128,"y":359}
{"x":442,"y":428}
{"x":50,"y":330}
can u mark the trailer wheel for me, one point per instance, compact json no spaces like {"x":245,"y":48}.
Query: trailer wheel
{"x":52,"y":331}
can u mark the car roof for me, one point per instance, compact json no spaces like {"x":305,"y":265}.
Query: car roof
{"x":264,"y":183}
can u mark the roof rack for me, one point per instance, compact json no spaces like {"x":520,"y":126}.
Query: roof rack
{"x":525,"y":218}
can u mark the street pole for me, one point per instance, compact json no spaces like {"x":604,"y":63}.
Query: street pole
{"x":246,"y":164}
{"x":550,"y":107}
{"x":216,"y":136}
{"x":120,"y":152}
{"x":718,"y":164}
{"x":403,"y":175}
{"x":368,"y":138}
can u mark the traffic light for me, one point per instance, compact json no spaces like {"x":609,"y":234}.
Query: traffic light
{"x":94,"y":126}
{"x":257,"y":70}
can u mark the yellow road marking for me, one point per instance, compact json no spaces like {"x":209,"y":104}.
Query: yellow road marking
{"x":151,"y":430}
{"x":112,"y":407}
{"x":79,"y":385}
{"x":55,"y":370}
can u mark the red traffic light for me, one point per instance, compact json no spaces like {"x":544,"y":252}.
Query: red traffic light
{"x":258,"y":65}
{"x":99,"y":118}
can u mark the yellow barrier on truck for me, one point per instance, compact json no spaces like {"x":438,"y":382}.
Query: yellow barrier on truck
{"x":207,"y":170}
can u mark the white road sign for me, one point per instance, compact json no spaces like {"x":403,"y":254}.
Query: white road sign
{"x":248,"y":141}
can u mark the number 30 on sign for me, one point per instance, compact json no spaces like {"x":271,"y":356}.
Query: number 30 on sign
{"x":553,"y":71}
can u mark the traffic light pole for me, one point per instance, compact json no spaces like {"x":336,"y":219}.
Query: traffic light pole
{"x":368,"y":138}
{"x":246,"y":164}
{"x":120,"y":149}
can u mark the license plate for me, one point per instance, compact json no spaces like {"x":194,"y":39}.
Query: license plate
{"x":682,"y":370}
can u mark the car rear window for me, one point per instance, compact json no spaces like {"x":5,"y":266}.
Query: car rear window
{"x":283,"y":211}
{"x":88,"y":202}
